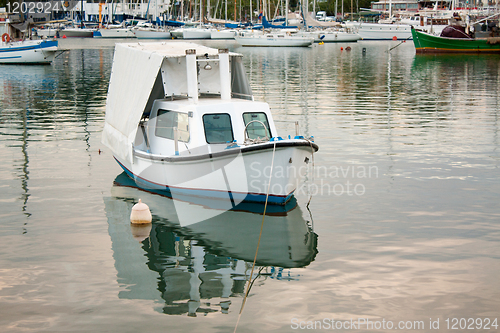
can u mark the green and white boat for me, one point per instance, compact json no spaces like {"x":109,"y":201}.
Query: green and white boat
{"x":427,"y":43}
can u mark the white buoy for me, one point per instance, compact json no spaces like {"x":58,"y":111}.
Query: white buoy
{"x":140,"y":213}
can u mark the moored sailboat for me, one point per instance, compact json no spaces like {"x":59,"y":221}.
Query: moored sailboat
{"x":28,"y":51}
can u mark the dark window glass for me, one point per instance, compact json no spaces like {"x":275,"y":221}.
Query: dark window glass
{"x":218,"y":128}
{"x":256,"y":130}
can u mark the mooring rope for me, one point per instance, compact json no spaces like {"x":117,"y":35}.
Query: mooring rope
{"x":258,"y":243}
{"x":403,"y":41}
{"x":310,"y":194}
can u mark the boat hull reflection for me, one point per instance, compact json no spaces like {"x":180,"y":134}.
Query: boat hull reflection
{"x":195,"y":251}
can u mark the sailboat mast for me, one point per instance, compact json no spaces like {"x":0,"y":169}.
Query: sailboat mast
{"x":201,"y":12}
{"x":286,"y":12}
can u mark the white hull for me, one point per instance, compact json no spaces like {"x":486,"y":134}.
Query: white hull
{"x":76,"y":32}
{"x":327,"y":36}
{"x":273,"y":39}
{"x":177,"y":33}
{"x":196,"y":33}
{"x":28,"y":52}
{"x":248,"y":174}
{"x":152,"y":34}
{"x":222,"y":34}
{"x":114,"y":33}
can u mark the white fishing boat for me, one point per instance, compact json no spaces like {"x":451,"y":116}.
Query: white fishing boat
{"x":151,"y":33}
{"x":28,"y":51}
{"x":272,"y":38}
{"x":191,"y":126}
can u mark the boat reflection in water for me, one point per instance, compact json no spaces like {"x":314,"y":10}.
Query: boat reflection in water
{"x":193,"y":268}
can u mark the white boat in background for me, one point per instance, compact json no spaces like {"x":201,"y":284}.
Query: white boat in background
{"x":326,"y":30}
{"x":432,"y":22}
{"x":76,"y":32}
{"x":151,"y":33}
{"x":177,"y":32}
{"x":381,"y":31}
{"x":114,"y":33}
{"x":223,"y":33}
{"x":196,"y":33}
{"x":28,"y":52}
{"x":331,"y":35}
{"x":190,"y":125}
{"x":272,"y":38}
{"x":47,"y":32}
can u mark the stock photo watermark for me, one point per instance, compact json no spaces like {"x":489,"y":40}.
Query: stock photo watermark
{"x":321,"y":180}
{"x":384,"y":325}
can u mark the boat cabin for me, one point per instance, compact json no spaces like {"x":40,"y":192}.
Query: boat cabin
{"x":214,"y":122}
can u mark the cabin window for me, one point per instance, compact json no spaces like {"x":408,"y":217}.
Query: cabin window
{"x":218,"y":128}
{"x":167,"y":120}
{"x":256,"y":130}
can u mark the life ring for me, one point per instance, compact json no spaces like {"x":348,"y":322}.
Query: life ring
{"x":5,"y":38}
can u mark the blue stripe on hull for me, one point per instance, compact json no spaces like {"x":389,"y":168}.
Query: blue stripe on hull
{"x":42,"y":45}
{"x":218,"y":194}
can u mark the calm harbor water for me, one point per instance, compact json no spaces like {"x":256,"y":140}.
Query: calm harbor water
{"x":404,"y":221}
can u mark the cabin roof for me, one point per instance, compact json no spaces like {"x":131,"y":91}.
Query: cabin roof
{"x":173,"y":49}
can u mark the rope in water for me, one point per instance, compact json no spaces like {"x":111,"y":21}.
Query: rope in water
{"x":312,"y":181}
{"x":258,"y":243}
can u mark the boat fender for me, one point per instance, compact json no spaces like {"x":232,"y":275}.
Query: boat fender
{"x":276,"y":138}
{"x":5,"y":38}
{"x":298,"y":137}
